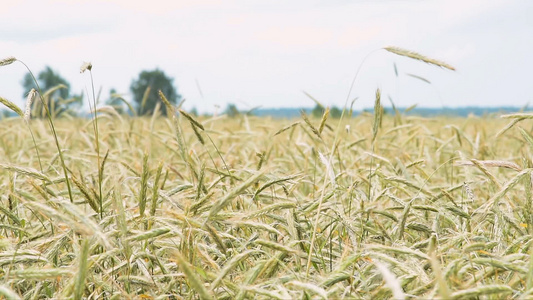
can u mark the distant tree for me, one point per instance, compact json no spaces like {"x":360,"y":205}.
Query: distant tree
{"x":251,"y":112}
{"x":4,"y":113}
{"x":146,"y":89}
{"x":231,"y":110}
{"x":318,"y":111}
{"x":57,"y":92}
{"x":194,"y":112}
{"x":335,"y":112}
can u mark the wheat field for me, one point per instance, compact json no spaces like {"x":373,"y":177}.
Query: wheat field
{"x":370,"y":207}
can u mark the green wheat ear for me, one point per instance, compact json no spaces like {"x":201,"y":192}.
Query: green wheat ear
{"x":12,"y":106}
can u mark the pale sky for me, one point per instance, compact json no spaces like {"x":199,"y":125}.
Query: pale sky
{"x":265,"y":53}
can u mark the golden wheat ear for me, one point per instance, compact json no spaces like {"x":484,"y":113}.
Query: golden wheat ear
{"x":418,"y":56}
{"x":29,"y":102}
{"x":7,"y":61}
{"x":12,"y":106}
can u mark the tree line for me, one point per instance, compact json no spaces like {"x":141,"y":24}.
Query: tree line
{"x":62,"y":100}
{"x":144,"y":91}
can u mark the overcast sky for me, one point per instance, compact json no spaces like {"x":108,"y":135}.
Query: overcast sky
{"x":265,"y":53}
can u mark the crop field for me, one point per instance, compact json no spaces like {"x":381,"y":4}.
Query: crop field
{"x":370,"y":207}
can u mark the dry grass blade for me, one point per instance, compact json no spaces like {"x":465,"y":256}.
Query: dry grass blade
{"x":399,"y":250}
{"x":16,"y":259}
{"x":10,"y":215}
{"x":59,"y":217}
{"x":315,"y":289}
{"x":490,"y":163}
{"x":417,"y":56}
{"x":137,"y":280}
{"x":79,"y":285}
{"x":391,"y":281}
{"x":443,"y":289}
{"x":148,"y":235}
{"x":270,"y":208}
{"x":485,"y":171}
{"x":458,"y":212}
{"x":230,"y":265}
{"x":527,"y":136}
{"x":529,"y":276}
{"x":329,"y":168}
{"x":273,"y":182}
{"x":508,"y":126}
{"x":409,"y":184}
{"x":8,"y":293}
{"x":501,"y":264}
{"x":419,"y":78}
{"x":258,"y":226}
{"x":250,"y":278}
{"x":52,"y":90}
{"x":26,"y":171}
{"x":121,"y":99}
{"x":275,"y":246}
{"x":264,"y":292}
{"x":220,"y":204}
{"x":334,"y":278}
{"x":196,"y":206}
{"x":86,"y":223}
{"x":482,"y":290}
{"x":508,"y":186}
{"x":314,"y":100}
{"x":194,"y":281}
{"x":518,"y":116}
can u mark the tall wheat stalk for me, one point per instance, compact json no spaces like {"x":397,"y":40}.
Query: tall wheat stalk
{"x":50,"y":121}
{"x":89,"y":67}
